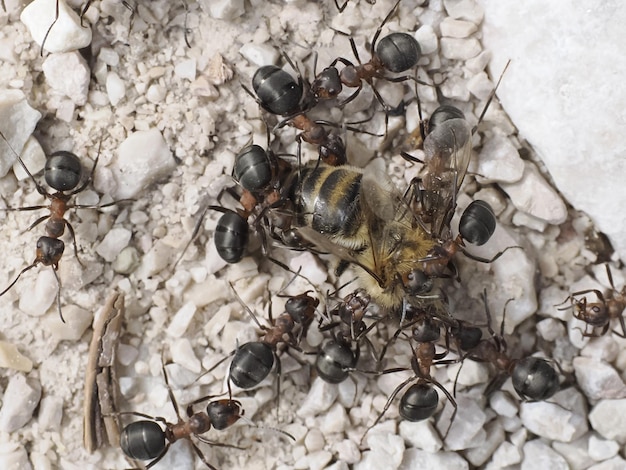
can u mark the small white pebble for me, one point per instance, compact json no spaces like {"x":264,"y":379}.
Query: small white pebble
{"x":601,"y":449}
{"x":113,"y":243}
{"x":457,"y":28}
{"x":68,"y":74}
{"x":11,"y":358}
{"x":460,"y":49}
{"x":181,"y":320}
{"x":20,"y":399}
{"x":183,"y":355}
{"x":116,"y":88}
{"x":259,"y":54}
{"x":598,"y":379}
{"x":186,"y":69}
{"x":66,"y":35}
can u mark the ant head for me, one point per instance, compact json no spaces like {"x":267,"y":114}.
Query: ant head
{"x":442,"y":114}
{"x":63,"y":171}
{"x":416,"y":282}
{"x":468,"y":337}
{"x":142,"y":440}
{"x":419,"y":402}
{"x":224,"y":413}
{"x":398,"y":52}
{"x":49,"y":250}
{"x":535,"y":379}
{"x":327,"y":84}
{"x":425,"y":330}
{"x":300,"y":307}
{"x":478,"y":223}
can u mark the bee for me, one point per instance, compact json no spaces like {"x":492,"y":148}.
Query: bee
{"x":360,"y":217}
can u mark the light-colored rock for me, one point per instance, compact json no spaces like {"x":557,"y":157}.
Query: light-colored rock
{"x":68,"y":74}
{"x":499,"y":160}
{"x":601,"y":449}
{"x":319,"y":399}
{"x":421,"y":434}
{"x":142,"y":159}
{"x":606,"y":418}
{"x":416,"y":458}
{"x":534,"y":196}
{"x":545,"y":98}
{"x":563,"y":422}
{"x":539,"y":456}
{"x":18,"y":120}
{"x":259,"y":54}
{"x":20,"y":399}
{"x":598,"y":379}
{"x":11,"y":358}
{"x":66,"y":35}
{"x":113,"y":243}
{"x":459,"y":49}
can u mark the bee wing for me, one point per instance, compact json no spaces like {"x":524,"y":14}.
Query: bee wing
{"x":447,"y":151}
{"x":324,"y":245}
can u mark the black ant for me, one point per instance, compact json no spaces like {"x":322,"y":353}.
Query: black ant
{"x":533,"y":378}
{"x":396,"y":53}
{"x":63,"y":173}
{"x":339,"y":356}
{"x":599,"y":314}
{"x":420,"y":400}
{"x":146,"y":439}
{"x":279,"y":93}
{"x":253,"y":361}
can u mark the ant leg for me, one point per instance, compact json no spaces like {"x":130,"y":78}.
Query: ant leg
{"x":36,"y":222}
{"x":159,"y":457}
{"x":83,"y":11}
{"x":185,"y":28}
{"x":27,"y":268}
{"x":342,"y":7}
{"x":202,"y":457}
{"x":169,"y":389}
{"x":56,"y":18}
{"x":621,"y":322}
{"x":58,"y":297}
{"x":387,"y":405}
{"x":380,"y":28}
{"x":589,"y":291}
{"x":486,"y":260}
{"x":71,"y":230}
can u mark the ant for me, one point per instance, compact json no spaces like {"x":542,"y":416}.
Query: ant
{"x":396,"y":53}
{"x":420,"y":400}
{"x":339,"y":356}
{"x":62,"y":172}
{"x":599,"y":314}
{"x":277,"y":92}
{"x":146,"y":439}
{"x":533,"y":378}
{"x":253,"y":361}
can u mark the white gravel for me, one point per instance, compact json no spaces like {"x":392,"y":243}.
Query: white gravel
{"x":166,"y":121}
